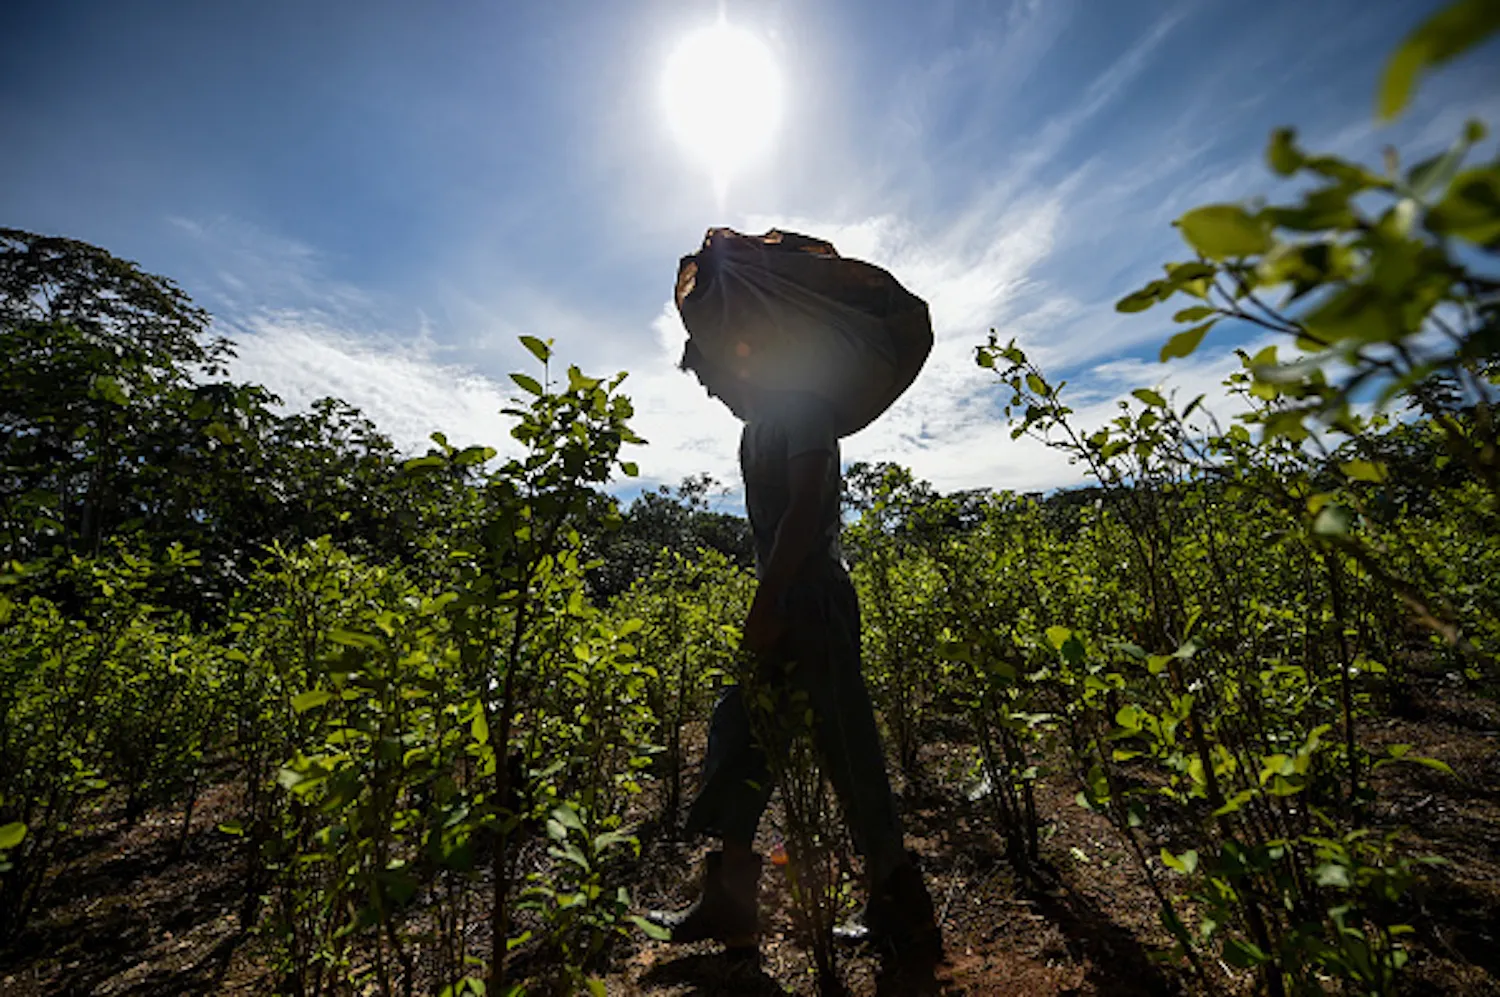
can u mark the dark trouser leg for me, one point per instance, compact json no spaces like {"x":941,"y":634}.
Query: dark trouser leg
{"x":736,"y":781}
{"x":823,"y":645}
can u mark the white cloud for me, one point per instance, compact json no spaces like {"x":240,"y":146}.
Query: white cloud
{"x":250,"y":268}
{"x":1039,"y":248}
{"x":399,"y":385}
{"x":686,"y":431}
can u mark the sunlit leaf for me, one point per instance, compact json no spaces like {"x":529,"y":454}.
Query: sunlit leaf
{"x":1282,"y":153}
{"x":11,"y":835}
{"x":1436,"y":173}
{"x":1150,"y":397}
{"x":1364,"y":470}
{"x":1332,"y":874}
{"x":1242,"y":954}
{"x":1186,"y":863}
{"x":1453,"y":30}
{"x":1471,"y":208}
{"x":1334,"y":520}
{"x":527,"y":383}
{"x":1139,"y":301}
{"x":1222,"y":231}
{"x":109,"y":389}
{"x":1185,"y":342}
{"x":568,"y":817}
{"x":309,"y":700}
{"x":653,"y":931}
{"x":538,"y":349}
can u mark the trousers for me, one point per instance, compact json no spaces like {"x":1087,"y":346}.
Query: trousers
{"x":818,"y":656}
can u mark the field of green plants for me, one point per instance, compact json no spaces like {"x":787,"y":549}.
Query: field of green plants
{"x":443,"y":712}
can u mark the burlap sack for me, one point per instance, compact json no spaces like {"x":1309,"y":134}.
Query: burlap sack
{"x":786,"y":312}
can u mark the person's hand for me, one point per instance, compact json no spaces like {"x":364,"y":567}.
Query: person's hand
{"x":764,"y":627}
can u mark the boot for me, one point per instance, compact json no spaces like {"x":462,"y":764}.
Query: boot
{"x":898,"y":916}
{"x":726,"y":908}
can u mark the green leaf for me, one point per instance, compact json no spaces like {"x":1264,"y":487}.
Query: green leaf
{"x":539,"y":349}
{"x":629,"y":468}
{"x":1221,"y":231}
{"x":11,"y":835}
{"x":1186,"y":863}
{"x":480,"y":728}
{"x":653,"y":931}
{"x":1433,"y":763}
{"x":612,"y":839}
{"x":1139,"y":301}
{"x":578,"y":381}
{"x":1356,"y":312}
{"x":1282,"y":152}
{"x":1402,"y":753}
{"x":310,"y":699}
{"x":109,"y":389}
{"x":596,"y":987}
{"x":1190,"y":278}
{"x":1242,"y":954}
{"x":1150,"y":397}
{"x":351,"y":638}
{"x":1194,"y":313}
{"x":232,"y":827}
{"x":1036,"y":384}
{"x":1471,"y":208}
{"x":1333,"y":521}
{"x":1432,"y":175}
{"x":1058,"y":636}
{"x":1321,"y":208}
{"x":528,"y":383}
{"x":1332,"y":874}
{"x":568,"y":817}
{"x":1364,"y":470}
{"x":571,"y":853}
{"x":1450,"y":32}
{"x":1185,"y":342}
{"x":473,"y":455}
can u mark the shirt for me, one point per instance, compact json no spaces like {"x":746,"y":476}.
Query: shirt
{"x":795,"y":424}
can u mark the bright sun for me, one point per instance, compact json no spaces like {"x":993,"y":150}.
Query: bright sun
{"x":723,"y":94}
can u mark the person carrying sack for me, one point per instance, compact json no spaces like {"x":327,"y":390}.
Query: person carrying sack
{"x":804,"y":347}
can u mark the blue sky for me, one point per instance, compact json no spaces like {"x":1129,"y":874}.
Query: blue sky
{"x":375,"y":199}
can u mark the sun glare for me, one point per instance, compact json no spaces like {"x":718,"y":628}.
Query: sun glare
{"x":723,"y":98}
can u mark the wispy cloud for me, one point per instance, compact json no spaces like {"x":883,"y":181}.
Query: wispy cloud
{"x":396,"y":382}
{"x":1007,"y":194}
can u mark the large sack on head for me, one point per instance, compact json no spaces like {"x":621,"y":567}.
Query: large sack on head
{"x":785,"y":312}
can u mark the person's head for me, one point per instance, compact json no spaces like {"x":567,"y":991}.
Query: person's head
{"x":738,"y":396}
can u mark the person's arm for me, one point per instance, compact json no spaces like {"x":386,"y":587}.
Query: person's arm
{"x":798,"y":535}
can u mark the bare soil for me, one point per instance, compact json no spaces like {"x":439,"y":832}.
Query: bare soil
{"x":125,"y":914}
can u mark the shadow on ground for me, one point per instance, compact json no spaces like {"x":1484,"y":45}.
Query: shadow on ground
{"x":1117,"y":962}
{"x":140,"y":921}
{"x":713,"y":974}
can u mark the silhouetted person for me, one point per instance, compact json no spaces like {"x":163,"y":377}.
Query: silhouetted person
{"x":804,"y":621}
